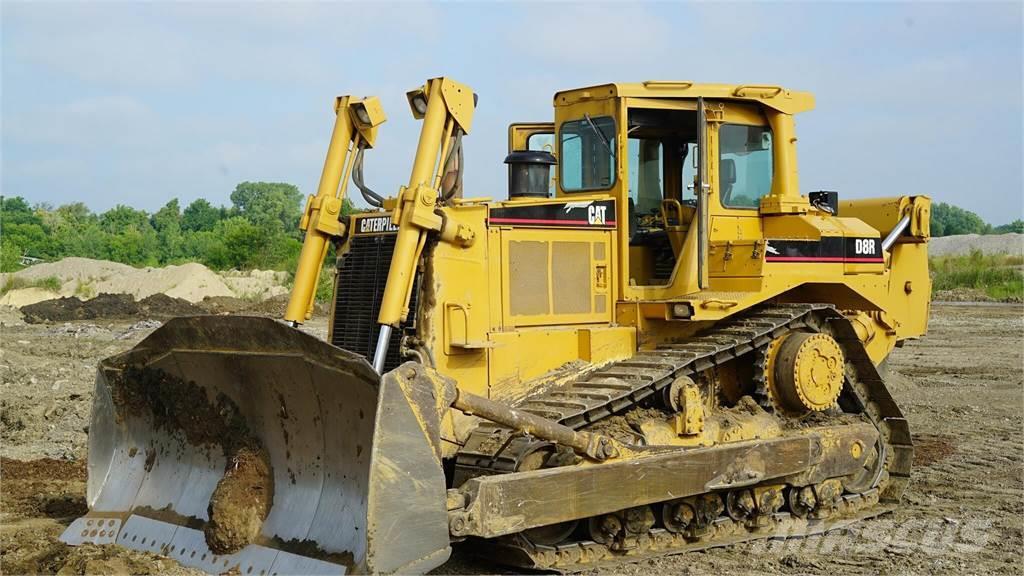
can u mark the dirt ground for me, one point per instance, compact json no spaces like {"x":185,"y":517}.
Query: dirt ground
{"x":961,"y":388}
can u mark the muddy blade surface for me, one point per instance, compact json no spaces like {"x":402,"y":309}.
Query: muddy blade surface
{"x":357,"y":483}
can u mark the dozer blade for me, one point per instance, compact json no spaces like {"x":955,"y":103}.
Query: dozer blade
{"x":332,"y":469}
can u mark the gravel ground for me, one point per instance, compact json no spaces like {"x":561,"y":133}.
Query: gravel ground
{"x":961,"y":387}
{"x":1012,"y":244}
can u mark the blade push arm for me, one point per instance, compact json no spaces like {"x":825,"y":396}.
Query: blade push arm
{"x":446,"y":108}
{"x":355,"y":129}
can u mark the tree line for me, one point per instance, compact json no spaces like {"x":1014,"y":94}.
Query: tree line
{"x":258,"y":230}
{"x":949,"y":220}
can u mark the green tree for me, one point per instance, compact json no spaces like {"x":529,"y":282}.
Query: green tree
{"x":259,"y":231}
{"x":121,"y":218}
{"x":74,"y":229}
{"x":17,"y":211}
{"x":947,"y":220}
{"x":1015,"y":226}
{"x":272,"y":206}
{"x":167,"y":223}
{"x":200,"y":215}
{"x":22,"y":233}
{"x":243,"y":241}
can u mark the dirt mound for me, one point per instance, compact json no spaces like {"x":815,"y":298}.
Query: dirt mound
{"x":162,"y":305}
{"x":1012,"y":244}
{"x":10,"y":316}
{"x":256,"y":284}
{"x":84,"y":278}
{"x":273,"y":307}
{"x":276,"y":306}
{"x":225,"y":305}
{"x":108,"y":306}
{"x":24,"y":296}
{"x":71,"y":308}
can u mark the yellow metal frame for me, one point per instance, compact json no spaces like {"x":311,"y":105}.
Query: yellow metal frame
{"x":465,"y":321}
{"x":355,"y":127}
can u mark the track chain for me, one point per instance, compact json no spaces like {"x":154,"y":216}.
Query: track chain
{"x":620,"y":386}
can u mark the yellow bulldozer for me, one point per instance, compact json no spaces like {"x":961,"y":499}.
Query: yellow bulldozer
{"x":654,"y":344}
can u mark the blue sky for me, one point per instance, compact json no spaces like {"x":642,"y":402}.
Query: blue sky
{"x":140,"y":103}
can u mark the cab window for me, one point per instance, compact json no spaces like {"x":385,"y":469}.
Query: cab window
{"x":745,"y":165}
{"x":646,"y":165}
{"x":541,"y":142}
{"x":586,"y":156}
{"x":690,"y":153}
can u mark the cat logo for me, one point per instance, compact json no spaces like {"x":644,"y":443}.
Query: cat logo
{"x":597,"y":215}
{"x":570,"y":206}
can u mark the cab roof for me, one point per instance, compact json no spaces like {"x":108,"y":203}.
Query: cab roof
{"x":775,"y":97}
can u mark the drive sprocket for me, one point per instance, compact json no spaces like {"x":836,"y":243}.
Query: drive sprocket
{"x":802,"y":372}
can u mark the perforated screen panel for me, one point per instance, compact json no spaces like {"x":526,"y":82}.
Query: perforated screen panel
{"x":362,"y":276}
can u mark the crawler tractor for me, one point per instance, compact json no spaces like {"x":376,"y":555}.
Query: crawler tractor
{"x":654,"y":344}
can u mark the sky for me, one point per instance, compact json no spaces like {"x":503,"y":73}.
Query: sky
{"x":139,"y":103}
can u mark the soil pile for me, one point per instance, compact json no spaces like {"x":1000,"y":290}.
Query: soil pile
{"x":1012,"y":244}
{"x":11,"y":316}
{"x":108,"y":306}
{"x":84,"y":277}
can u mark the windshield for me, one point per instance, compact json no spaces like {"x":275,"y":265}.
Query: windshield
{"x":745,"y":164}
{"x":587,"y":154}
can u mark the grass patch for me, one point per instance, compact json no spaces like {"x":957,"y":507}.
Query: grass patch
{"x":85,"y":290}
{"x":999,"y":276}
{"x":51,"y":283}
{"x":325,"y":287}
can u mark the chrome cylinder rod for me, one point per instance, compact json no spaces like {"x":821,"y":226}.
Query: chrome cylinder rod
{"x":895,"y":233}
{"x":381,"y":352}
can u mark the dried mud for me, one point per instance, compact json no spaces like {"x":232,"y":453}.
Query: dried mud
{"x":241,"y":501}
{"x":176,"y":404}
{"x":961,"y":388}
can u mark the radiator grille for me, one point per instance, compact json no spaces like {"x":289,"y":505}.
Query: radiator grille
{"x":362,"y":275}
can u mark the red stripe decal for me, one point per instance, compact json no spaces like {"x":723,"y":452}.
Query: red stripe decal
{"x":822,"y":259}
{"x":540,"y":221}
